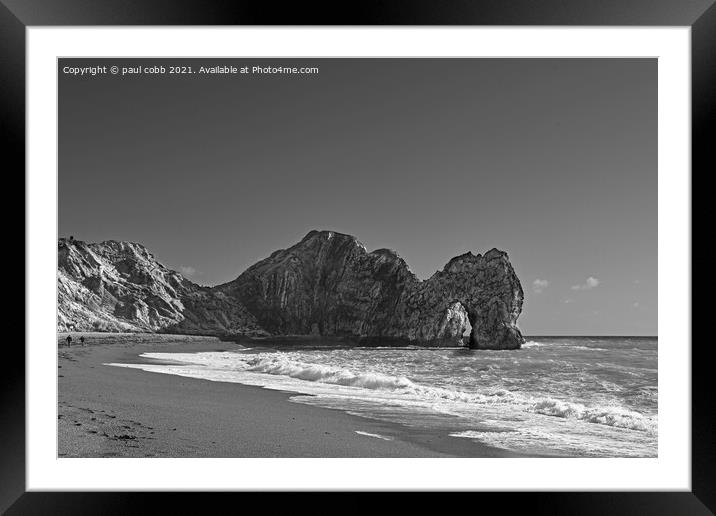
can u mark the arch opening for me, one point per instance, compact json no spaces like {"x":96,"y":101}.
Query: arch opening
{"x":466,"y":332}
{"x":467,"y":324}
{"x":472,"y":324}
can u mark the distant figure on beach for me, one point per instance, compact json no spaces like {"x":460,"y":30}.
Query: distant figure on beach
{"x":82,"y":340}
{"x":69,"y":340}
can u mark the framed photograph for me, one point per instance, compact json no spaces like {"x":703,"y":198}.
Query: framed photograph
{"x":420,"y":248}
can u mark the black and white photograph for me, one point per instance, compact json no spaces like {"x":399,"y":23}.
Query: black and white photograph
{"x":397,"y":246}
{"x":357,"y":257}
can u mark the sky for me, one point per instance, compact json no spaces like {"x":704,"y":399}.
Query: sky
{"x":551,"y":160}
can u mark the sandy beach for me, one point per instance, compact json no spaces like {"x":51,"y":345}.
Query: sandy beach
{"x":106,"y":411}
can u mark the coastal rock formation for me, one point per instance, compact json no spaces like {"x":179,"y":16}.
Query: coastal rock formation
{"x":329,"y":284}
{"x":326,"y":285}
{"x":479,"y":293}
{"x":120,"y":286}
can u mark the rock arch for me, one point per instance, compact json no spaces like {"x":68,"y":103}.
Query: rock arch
{"x":484,"y":288}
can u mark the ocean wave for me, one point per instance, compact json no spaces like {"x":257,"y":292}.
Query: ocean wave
{"x":614,"y":416}
{"x":532,"y":344}
{"x":279,"y":365}
{"x":533,"y":440}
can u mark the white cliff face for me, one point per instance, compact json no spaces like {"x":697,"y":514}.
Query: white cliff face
{"x":119,"y":286}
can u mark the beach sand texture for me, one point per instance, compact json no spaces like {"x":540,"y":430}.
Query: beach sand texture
{"x":106,"y":411}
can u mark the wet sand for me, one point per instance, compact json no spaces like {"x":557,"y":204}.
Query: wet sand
{"x":106,"y":411}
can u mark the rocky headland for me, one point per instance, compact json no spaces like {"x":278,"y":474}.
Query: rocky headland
{"x":120,"y":287}
{"x":326,"y":285}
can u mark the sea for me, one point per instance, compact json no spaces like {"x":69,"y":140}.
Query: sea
{"x":557,"y":396}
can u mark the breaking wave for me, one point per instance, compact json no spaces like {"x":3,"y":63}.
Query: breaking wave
{"x":564,"y":396}
{"x":587,"y":348}
{"x":280,"y":365}
{"x":615,"y":416}
{"x":531,"y":344}
{"x":610,"y":415}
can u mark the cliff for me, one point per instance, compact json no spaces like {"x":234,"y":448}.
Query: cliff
{"x":120,"y":286}
{"x":328,"y":284}
{"x":479,"y":293}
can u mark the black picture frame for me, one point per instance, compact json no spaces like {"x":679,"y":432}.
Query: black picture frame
{"x":700,"y":15}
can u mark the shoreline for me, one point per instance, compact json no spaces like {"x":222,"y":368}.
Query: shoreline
{"x":106,"y":411}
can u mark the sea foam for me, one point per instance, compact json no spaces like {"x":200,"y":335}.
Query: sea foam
{"x":277,"y":364}
{"x":280,"y":364}
{"x":615,"y":416}
{"x":531,"y":344}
